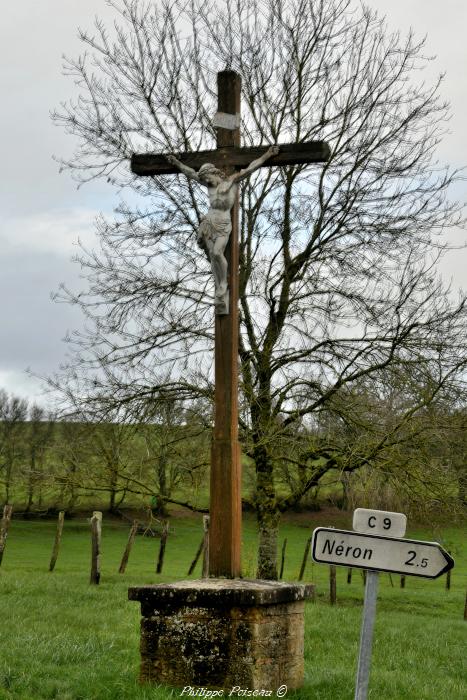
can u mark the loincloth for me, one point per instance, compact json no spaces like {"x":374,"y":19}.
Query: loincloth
{"x":215,"y":225}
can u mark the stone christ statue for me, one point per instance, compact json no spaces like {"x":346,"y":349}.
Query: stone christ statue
{"x":216,"y":226}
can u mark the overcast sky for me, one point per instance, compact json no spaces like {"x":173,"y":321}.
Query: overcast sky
{"x":42,"y":212}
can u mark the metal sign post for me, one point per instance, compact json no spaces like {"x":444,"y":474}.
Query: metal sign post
{"x":376,"y":544}
{"x":366,"y":635}
{"x":376,"y":523}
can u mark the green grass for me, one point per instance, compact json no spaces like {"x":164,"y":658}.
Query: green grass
{"x":62,"y":638}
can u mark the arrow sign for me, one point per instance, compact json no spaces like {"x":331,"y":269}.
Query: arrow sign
{"x":378,"y":553}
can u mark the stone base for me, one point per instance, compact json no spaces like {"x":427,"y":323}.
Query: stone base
{"x":220,"y":633}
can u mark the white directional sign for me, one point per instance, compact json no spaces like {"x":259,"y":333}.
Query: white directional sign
{"x":378,"y":553}
{"x":379,"y":522}
{"x":375,"y":545}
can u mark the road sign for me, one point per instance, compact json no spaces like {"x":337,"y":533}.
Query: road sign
{"x":376,"y":546}
{"x":379,"y":522}
{"x":379,"y":553}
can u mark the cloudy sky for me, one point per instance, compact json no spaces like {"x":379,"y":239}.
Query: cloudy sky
{"x":42,"y":212}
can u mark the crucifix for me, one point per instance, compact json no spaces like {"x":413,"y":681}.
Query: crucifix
{"x":220,"y":170}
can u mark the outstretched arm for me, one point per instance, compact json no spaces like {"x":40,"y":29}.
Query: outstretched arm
{"x":189,"y":172}
{"x":272,"y":151}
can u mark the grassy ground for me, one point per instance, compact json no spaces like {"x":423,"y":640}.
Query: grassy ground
{"x":62,"y":638}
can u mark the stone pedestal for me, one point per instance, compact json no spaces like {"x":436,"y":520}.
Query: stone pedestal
{"x":221,"y":633}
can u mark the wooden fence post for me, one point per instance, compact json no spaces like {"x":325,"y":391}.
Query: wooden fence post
{"x":205,"y":573}
{"x":448,"y":577}
{"x":305,"y":559}
{"x":332,"y":584}
{"x":349,"y":575}
{"x":96,"y":531}
{"x":402,"y":581}
{"x":197,"y":556}
{"x":129,"y":545}
{"x":7,"y":512}
{"x":58,"y":537}
{"x":160,"y":561}
{"x":284,"y":545}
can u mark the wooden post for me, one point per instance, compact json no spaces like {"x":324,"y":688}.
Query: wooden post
{"x":332,"y":585}
{"x":96,"y":531}
{"x":160,"y":560}
{"x":129,"y":545}
{"x":58,"y":537}
{"x":284,"y":545}
{"x":7,"y":512}
{"x":305,"y":559}
{"x":206,"y":553}
{"x":465,"y":607}
{"x":448,"y":577}
{"x":225,"y":506}
{"x":349,"y":575}
{"x":197,"y":556}
{"x":402,"y":581}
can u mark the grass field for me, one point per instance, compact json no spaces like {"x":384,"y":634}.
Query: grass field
{"x":62,"y":638}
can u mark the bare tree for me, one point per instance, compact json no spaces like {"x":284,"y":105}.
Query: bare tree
{"x":73,"y":457}
{"x":338,"y":278}
{"x":392,"y":442}
{"x":37,"y":441}
{"x":176,"y":451}
{"x":114,"y":453}
{"x":13,"y":414}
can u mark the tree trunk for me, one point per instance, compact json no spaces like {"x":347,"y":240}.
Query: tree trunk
{"x":463,"y":488}
{"x":162,"y":461}
{"x":267,"y":550}
{"x":345,"y":481}
{"x":39,"y":494}
{"x":9,"y":469}
{"x":113,"y":487}
{"x":31,"y":481}
{"x":267,"y":514}
{"x":71,"y":485}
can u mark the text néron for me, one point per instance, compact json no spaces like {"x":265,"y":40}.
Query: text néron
{"x":343,"y":550}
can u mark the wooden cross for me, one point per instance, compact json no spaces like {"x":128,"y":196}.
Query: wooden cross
{"x":225,"y":486}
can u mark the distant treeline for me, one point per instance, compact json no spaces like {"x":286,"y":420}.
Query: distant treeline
{"x":49,"y":464}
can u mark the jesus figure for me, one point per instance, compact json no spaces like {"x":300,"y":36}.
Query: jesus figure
{"x":216,"y":226}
